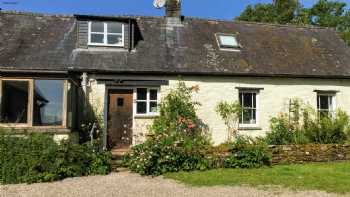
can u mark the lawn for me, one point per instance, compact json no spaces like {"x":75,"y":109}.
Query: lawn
{"x":329,"y":177}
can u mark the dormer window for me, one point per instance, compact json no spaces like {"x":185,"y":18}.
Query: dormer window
{"x":228,"y":41}
{"x":106,"y":34}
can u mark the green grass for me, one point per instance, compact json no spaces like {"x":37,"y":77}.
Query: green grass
{"x":329,"y":177}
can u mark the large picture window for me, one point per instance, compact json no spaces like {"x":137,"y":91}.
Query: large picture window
{"x":32,"y":102}
{"x":147,"y":100}
{"x":106,"y":33}
{"x":248,"y":102}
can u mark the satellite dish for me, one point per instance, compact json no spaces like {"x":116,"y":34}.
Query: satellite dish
{"x":159,"y":3}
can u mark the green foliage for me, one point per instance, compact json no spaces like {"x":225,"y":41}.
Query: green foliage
{"x":248,"y":153}
{"x":324,"y":13}
{"x":38,"y":158}
{"x":179,"y":139}
{"x":281,"y":12}
{"x":230,"y":113}
{"x":302,"y":125}
{"x":329,"y":130}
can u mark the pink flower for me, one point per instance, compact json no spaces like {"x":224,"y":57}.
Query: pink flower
{"x":191,"y":125}
{"x":181,"y":119}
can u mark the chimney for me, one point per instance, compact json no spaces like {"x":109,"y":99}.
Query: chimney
{"x":173,"y":8}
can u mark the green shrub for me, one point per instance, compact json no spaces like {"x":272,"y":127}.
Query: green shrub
{"x":302,"y":125}
{"x":248,"y":153}
{"x":38,"y":158}
{"x":328,"y":130}
{"x":179,"y":141}
{"x":282,"y":132}
{"x":230,"y":113}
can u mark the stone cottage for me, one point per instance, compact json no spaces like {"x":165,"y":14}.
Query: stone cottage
{"x":123,"y":65}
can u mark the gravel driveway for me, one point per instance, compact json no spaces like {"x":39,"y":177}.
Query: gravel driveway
{"x":132,"y":185}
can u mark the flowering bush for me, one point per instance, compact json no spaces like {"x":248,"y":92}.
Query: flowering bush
{"x":179,"y":140}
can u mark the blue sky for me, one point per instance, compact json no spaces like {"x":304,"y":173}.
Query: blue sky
{"x":218,"y":9}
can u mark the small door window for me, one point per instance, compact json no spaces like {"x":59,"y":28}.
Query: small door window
{"x":120,"y":102}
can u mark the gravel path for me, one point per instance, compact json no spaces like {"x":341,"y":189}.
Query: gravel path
{"x":125,"y":184}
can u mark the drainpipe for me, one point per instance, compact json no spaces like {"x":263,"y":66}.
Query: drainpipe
{"x":84,"y":82}
{"x":84,"y":105}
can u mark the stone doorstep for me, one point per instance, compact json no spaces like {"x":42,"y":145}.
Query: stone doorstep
{"x":118,"y":153}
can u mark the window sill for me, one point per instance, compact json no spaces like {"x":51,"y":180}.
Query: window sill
{"x":230,"y":49}
{"x":247,"y":128}
{"x":48,"y":130}
{"x":106,"y":45}
{"x":147,"y":116}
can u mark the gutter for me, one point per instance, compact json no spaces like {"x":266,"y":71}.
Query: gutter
{"x":180,"y":73}
{"x":167,"y":73}
{"x":33,"y":71}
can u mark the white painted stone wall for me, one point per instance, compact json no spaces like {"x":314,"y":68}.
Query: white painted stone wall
{"x":273,"y":98}
{"x":140,"y":129}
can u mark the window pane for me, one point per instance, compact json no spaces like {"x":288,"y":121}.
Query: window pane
{"x":153,"y":107}
{"x":114,"y":39}
{"x":228,"y":41}
{"x":97,"y":38}
{"x":253,"y":120}
{"x":248,"y":100}
{"x":14,"y":102}
{"x":141,"y":94}
{"x":249,"y":116}
{"x":115,"y":28}
{"x":246,"y":116}
{"x":97,"y":27}
{"x":48,"y":102}
{"x":241,"y":99}
{"x":324,"y":114}
{"x":254,"y":100}
{"x":141,"y":108}
{"x":323,"y":102}
{"x":153,"y":94}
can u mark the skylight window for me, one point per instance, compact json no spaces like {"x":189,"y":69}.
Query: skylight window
{"x":228,"y":41}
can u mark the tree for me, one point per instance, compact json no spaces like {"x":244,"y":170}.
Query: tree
{"x":324,"y":13}
{"x":280,"y":11}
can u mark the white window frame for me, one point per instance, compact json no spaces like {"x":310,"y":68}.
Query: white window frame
{"x":148,"y":100}
{"x":256,"y":124}
{"x":331,"y":103}
{"x":225,"y":47}
{"x":105,"y":35}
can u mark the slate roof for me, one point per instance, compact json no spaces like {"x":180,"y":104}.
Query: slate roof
{"x":48,"y":43}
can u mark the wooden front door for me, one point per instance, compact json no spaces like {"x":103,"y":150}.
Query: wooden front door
{"x":120,"y":118}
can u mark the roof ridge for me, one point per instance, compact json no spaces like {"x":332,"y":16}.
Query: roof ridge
{"x":158,"y":17}
{"x":15,"y":12}
{"x":259,"y":23}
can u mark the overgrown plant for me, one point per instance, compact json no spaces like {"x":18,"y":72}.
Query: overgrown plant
{"x":247,"y":153}
{"x":38,"y":158}
{"x":230,"y":113}
{"x":302,"y":124}
{"x":179,"y":139}
{"x":328,"y":130}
